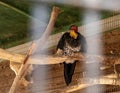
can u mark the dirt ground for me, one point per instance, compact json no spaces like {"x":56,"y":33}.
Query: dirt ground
{"x":111,"y":46}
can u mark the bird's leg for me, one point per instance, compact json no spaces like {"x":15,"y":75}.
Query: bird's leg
{"x":116,"y":72}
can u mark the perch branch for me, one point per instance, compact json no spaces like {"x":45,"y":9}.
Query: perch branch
{"x":86,"y":82}
{"x":6,"y":55}
{"x":52,"y":59}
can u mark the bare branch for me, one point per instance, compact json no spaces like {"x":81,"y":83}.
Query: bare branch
{"x":11,"y":56}
{"x":24,"y":66}
{"x":52,"y":59}
{"x":86,"y":82}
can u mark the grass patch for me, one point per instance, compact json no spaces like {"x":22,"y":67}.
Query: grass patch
{"x":13,"y":26}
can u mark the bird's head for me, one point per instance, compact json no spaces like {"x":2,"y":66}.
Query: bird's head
{"x":73,"y":31}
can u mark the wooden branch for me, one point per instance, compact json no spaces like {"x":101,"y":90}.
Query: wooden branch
{"x":11,"y":56}
{"x":87,"y":82}
{"x":39,"y":43}
{"x":21,"y":72}
{"x":52,"y":59}
{"x":25,"y":65}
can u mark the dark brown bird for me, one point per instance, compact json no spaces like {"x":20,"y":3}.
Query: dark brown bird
{"x":70,"y":43}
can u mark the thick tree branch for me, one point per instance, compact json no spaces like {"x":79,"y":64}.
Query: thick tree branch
{"x":24,"y":66}
{"x":4,"y":54}
{"x":54,"y":14}
{"x":53,"y":59}
{"x":87,"y":82}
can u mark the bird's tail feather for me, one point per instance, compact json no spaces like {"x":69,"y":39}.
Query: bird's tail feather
{"x":69,"y":71}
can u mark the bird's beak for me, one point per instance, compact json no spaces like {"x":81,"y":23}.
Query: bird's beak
{"x":73,"y":34}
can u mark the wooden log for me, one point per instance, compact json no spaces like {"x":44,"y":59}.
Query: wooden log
{"x":87,"y":82}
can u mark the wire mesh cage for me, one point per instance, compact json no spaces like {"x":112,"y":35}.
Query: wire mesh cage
{"x":41,"y":71}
